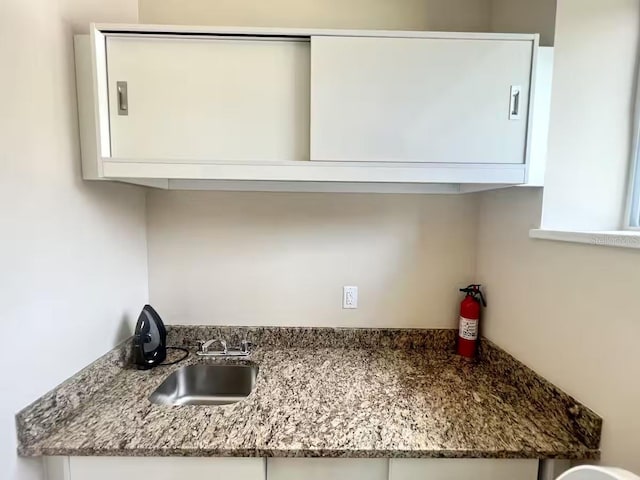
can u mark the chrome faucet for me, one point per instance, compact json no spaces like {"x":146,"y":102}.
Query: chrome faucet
{"x":204,"y":347}
{"x":205,"y":350}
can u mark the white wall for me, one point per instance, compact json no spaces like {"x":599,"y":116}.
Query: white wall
{"x":283,"y":258}
{"x":460,"y":15}
{"x":525,"y":16}
{"x":596,"y":52}
{"x":567,"y":311}
{"x":242,"y":258}
{"x":73,"y":256}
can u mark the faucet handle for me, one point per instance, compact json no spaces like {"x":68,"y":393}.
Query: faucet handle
{"x":223,"y":344}
{"x":245,"y":345}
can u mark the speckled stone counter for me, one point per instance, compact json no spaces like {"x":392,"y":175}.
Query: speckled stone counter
{"x":320,"y":392}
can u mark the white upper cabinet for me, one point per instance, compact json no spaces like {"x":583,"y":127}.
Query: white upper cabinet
{"x":307,"y":110}
{"x":205,"y":99}
{"x":419,"y":100}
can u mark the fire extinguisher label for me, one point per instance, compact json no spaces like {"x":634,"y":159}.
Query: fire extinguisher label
{"x":468,"y":329}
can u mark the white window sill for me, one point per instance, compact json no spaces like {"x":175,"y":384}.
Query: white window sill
{"x":618,"y":238}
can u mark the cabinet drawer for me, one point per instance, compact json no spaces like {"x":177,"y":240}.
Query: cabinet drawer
{"x":327,"y":468}
{"x":165,"y":468}
{"x":462,"y":469}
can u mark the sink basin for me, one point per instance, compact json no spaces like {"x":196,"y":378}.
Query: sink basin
{"x":206,"y":385}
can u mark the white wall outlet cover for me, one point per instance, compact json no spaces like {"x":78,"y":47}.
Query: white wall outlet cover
{"x":350,"y":297}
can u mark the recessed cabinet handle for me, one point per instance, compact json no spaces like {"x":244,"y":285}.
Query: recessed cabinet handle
{"x":514,"y":104}
{"x":123,"y":98}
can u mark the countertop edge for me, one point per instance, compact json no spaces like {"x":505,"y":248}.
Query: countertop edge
{"x":313,"y":453}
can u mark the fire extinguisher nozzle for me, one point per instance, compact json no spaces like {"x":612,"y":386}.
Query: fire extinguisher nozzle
{"x":475,"y":291}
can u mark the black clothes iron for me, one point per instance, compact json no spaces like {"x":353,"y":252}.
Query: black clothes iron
{"x":149,"y":340}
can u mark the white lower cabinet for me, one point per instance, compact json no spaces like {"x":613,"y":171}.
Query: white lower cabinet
{"x":462,"y":469}
{"x":208,"y":468}
{"x":327,"y":468}
{"x":156,"y":468}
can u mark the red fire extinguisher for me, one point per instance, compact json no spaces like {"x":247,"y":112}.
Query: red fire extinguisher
{"x":469,"y":319}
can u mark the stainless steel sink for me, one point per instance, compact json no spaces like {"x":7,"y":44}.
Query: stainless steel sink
{"x":206,"y":385}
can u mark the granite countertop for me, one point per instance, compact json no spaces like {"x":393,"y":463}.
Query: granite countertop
{"x":344,"y":398}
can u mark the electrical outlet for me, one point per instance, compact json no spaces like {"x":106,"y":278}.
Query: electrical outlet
{"x":350,"y":297}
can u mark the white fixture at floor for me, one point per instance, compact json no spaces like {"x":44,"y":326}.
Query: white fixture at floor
{"x":588,"y":472}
